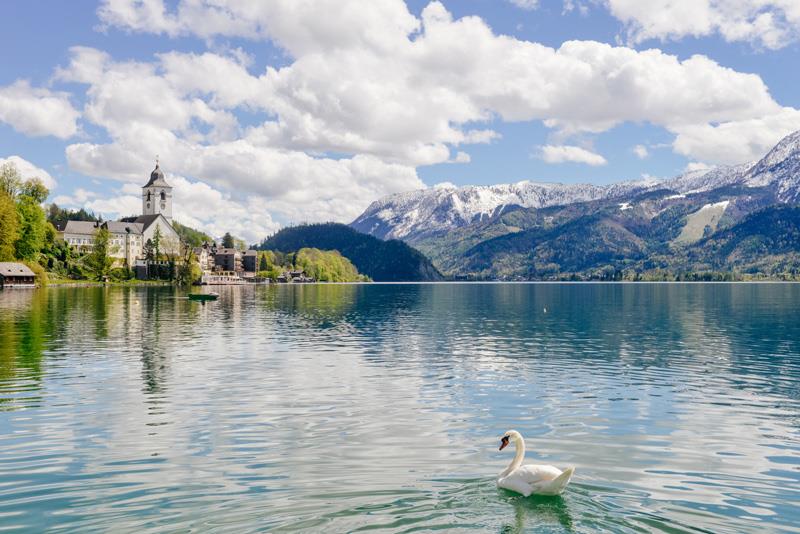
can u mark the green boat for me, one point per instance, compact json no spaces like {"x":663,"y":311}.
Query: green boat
{"x":202,"y":297}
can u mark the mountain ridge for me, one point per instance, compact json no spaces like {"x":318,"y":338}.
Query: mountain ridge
{"x":586,"y":231}
{"x":419,"y":214}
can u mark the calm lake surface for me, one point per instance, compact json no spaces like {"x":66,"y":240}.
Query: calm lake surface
{"x":346,"y":408}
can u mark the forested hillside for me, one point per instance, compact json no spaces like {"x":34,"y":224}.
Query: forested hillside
{"x":382,"y":261}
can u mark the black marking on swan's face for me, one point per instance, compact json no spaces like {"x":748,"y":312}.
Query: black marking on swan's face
{"x":504,"y":442}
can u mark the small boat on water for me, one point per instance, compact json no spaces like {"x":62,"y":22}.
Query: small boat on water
{"x":203,"y":297}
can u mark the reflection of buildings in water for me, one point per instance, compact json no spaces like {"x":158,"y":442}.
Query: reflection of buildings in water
{"x":154,"y":371}
{"x":231,"y":302}
{"x":155,"y":319}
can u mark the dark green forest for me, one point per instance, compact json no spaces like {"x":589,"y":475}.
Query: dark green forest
{"x":382,"y":261}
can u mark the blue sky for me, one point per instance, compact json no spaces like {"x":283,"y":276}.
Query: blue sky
{"x":276,"y":112}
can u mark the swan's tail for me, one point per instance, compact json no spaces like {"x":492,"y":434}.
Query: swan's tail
{"x":558,"y":484}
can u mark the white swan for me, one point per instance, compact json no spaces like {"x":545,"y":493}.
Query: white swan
{"x":529,"y":479}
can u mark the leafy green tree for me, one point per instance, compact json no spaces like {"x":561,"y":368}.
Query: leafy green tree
{"x":99,"y":260}
{"x":56,"y":254}
{"x":263,"y":264}
{"x":9,"y":227}
{"x":327,"y":266}
{"x":188,"y":269}
{"x":35,"y":189}
{"x":32,"y":220}
{"x":32,"y":228}
{"x":10,"y":179}
{"x":190,"y":236}
{"x":228,"y":241}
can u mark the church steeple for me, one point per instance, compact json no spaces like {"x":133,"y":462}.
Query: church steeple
{"x":157,"y":195}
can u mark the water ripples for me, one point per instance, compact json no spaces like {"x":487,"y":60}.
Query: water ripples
{"x":346,"y":408}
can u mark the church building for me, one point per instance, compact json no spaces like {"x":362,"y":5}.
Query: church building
{"x":157,"y":210}
{"x":129,"y":236}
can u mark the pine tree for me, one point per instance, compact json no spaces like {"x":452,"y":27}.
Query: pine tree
{"x":157,"y":242}
{"x":149,"y":250}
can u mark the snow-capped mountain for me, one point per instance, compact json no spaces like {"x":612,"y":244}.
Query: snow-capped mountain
{"x":428,"y":211}
{"x":708,"y":179}
{"x":780,"y":168}
{"x":417,"y":214}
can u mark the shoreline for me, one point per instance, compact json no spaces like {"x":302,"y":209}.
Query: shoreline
{"x":89,"y":283}
{"x":95,"y":283}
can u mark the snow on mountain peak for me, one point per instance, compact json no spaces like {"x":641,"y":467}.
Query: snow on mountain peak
{"x":445,"y":207}
{"x":436,"y":209}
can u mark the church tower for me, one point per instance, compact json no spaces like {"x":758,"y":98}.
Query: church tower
{"x":157,"y":195}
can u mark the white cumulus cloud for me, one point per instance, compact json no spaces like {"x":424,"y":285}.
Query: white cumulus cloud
{"x":404,"y":93}
{"x":570,"y":154}
{"x":369,"y":92}
{"x":641,"y":151}
{"x":736,"y":141}
{"x":156,"y":108}
{"x":36,"y":111}
{"x":768,"y":23}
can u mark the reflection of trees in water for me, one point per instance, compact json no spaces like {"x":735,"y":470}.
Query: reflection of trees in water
{"x":98,"y":310}
{"x":736,"y":328}
{"x":24,"y":324}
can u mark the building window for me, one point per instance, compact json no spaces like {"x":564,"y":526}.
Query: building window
{"x":163,"y":196}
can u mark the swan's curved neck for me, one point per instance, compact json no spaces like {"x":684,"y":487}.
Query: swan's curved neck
{"x":519,"y":445}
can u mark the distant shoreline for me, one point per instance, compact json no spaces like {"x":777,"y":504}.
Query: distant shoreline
{"x":439,"y":282}
{"x":94,"y":283}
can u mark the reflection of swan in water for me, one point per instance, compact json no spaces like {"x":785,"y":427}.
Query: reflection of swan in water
{"x":528,"y":479}
{"x":537,"y":512}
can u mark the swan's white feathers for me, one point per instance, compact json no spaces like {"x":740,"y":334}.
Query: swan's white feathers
{"x":539,"y":479}
{"x":533,"y":474}
{"x":532,"y":478}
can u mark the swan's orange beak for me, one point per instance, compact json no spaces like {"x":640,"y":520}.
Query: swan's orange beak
{"x":503,"y":442}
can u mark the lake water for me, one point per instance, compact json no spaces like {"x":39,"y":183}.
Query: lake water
{"x":346,"y":408}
